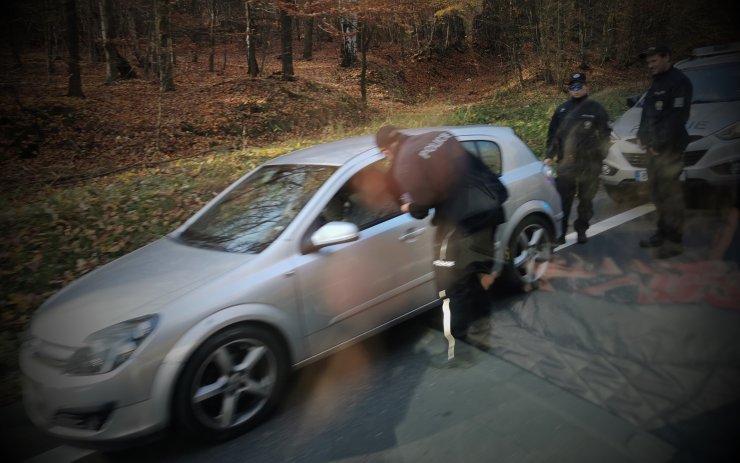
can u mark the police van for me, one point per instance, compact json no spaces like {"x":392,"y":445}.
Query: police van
{"x":712,"y":158}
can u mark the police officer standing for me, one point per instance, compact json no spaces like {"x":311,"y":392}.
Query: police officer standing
{"x":578,"y":139}
{"x":663,"y":134}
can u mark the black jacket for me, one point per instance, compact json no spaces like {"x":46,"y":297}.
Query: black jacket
{"x":579,"y":133}
{"x":665,"y":111}
{"x":474,"y":203}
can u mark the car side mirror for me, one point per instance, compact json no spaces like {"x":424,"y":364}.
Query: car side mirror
{"x":632,"y":100}
{"x":333,"y":233}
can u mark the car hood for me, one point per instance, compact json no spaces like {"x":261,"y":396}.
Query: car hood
{"x":137,"y":284}
{"x":705,"y":119}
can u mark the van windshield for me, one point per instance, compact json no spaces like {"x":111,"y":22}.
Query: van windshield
{"x":716,"y":83}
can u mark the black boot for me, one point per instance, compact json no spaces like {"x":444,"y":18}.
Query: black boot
{"x":654,"y":241}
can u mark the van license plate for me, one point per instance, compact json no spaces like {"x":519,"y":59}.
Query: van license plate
{"x":641,"y":176}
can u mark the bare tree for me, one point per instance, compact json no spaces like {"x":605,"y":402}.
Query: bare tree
{"x":212,"y":36}
{"x":74,"y":88}
{"x":252,"y":66}
{"x":308,"y":39}
{"x":365,"y":33}
{"x":162,"y":50}
{"x":286,"y":41}
{"x":115,"y":65}
{"x":349,"y":40}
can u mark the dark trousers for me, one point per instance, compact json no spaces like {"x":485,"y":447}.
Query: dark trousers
{"x":666,"y":191}
{"x":459,"y":258}
{"x":582,"y":183}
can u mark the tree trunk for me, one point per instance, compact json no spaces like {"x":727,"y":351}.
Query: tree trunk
{"x":349,"y":42}
{"x":49,"y":41}
{"x":365,"y":36}
{"x":141,"y":57}
{"x":286,"y":43}
{"x":108,"y":47}
{"x":212,"y":38}
{"x":8,"y":15}
{"x":308,"y":40}
{"x":252,"y":67}
{"x":73,"y":60}
{"x":161,"y":37}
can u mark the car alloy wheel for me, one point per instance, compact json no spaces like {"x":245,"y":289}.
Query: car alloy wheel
{"x":231,"y":383}
{"x":530,"y":252}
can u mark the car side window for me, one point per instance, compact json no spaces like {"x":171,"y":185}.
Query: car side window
{"x":488,"y":152}
{"x":364,"y":200}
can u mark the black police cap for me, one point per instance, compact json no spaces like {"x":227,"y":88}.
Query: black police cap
{"x":655,"y":50}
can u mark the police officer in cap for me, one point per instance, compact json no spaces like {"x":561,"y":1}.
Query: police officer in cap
{"x":663,"y":134}
{"x":577,"y":140}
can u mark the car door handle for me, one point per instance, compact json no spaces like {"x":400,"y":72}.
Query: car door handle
{"x":412,"y":234}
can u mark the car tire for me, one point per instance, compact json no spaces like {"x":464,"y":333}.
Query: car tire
{"x":528,"y":253}
{"x":231,"y":383}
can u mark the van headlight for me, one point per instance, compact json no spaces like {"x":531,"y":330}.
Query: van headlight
{"x":730,"y":133}
{"x":108,"y":348}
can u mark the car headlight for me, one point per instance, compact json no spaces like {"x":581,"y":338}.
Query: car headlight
{"x":108,"y":348}
{"x":730,"y":133}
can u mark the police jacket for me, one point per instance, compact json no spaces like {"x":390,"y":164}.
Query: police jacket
{"x":473,"y":203}
{"x":665,"y":111}
{"x":578,"y":134}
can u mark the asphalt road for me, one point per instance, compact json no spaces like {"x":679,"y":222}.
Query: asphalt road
{"x":381,"y":401}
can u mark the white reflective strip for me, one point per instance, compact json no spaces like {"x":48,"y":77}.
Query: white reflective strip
{"x":443,"y":263}
{"x":448,"y":332}
{"x":443,"y":245}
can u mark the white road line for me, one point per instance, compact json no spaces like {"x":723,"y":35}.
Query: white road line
{"x":61,"y":454}
{"x":608,"y":224}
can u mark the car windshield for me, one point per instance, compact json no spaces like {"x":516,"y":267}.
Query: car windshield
{"x":714,"y":84}
{"x":252,"y":215}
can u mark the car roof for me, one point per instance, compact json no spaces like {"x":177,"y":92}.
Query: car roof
{"x":338,"y":153}
{"x":697,"y":62}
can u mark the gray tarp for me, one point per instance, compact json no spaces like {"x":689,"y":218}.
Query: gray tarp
{"x":654,"y":342}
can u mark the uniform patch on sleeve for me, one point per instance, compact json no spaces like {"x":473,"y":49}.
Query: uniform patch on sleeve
{"x":678,"y":102}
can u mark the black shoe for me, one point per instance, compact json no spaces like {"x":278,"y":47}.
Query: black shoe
{"x":654,"y":241}
{"x":582,"y":238}
{"x":560,"y":240}
{"x":669,"y":249}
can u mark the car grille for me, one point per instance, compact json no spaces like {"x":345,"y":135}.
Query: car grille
{"x":639,"y":160}
{"x":636,"y":159}
{"x":692,"y":157}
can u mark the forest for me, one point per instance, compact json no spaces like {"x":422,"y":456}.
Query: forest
{"x":119,"y":118}
{"x":256,"y":66}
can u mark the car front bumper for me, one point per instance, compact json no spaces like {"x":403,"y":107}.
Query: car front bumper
{"x":115,"y":406}
{"x":719,"y":165}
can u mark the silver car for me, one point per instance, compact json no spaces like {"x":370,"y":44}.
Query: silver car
{"x":712,"y":158}
{"x":300,"y":257}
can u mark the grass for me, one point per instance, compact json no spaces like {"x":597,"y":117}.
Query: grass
{"x":57,"y":234}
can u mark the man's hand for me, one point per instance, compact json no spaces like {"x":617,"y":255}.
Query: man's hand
{"x":405,"y":207}
{"x":547,"y":161}
{"x":487,"y":279}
